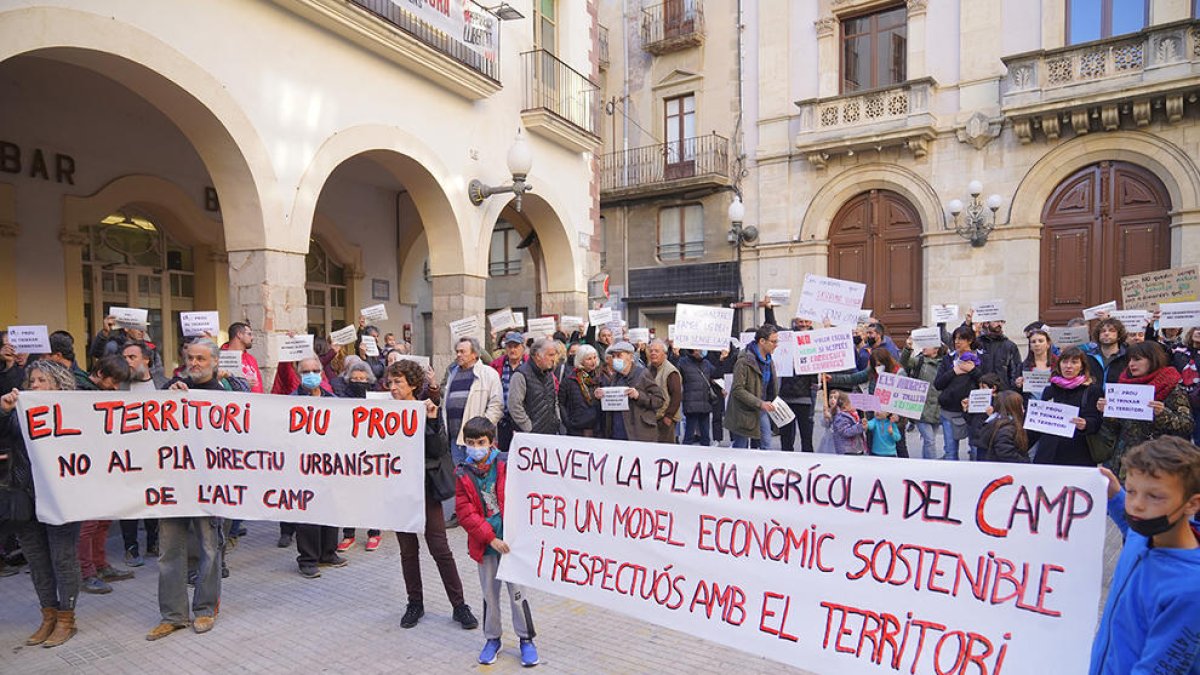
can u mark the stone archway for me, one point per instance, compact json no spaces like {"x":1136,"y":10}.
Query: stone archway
{"x":818,"y":218}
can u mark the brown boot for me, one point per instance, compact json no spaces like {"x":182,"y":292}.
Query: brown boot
{"x":64,"y":629}
{"x":49,"y":616}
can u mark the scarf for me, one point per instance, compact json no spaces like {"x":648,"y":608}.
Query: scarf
{"x":853,"y":414}
{"x":1064,"y":383}
{"x":1163,"y":379}
{"x":585,"y":384}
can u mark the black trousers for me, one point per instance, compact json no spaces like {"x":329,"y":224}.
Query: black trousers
{"x":129,"y":533}
{"x":804,"y":421}
{"x":315,"y":543}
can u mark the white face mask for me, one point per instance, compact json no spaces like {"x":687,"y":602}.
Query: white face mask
{"x":619,"y":365}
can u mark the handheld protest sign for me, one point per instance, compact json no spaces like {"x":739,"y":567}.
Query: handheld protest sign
{"x":29,"y":339}
{"x":130,"y":317}
{"x":294,"y":348}
{"x":990,"y":310}
{"x":374,"y":313}
{"x":196,"y":324}
{"x":838,"y":300}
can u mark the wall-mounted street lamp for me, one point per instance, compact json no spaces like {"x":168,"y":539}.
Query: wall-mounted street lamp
{"x":505,"y":12}
{"x":520,"y":160}
{"x":975,"y":224}
{"x":737,"y":234}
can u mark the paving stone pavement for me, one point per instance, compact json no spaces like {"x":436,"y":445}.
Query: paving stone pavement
{"x":274,"y":621}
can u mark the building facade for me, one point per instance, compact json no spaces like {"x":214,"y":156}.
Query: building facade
{"x":290,"y":162}
{"x":871,"y":117}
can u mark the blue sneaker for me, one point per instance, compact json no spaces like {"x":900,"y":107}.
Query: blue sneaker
{"x":529,"y":655}
{"x":490,"y":648}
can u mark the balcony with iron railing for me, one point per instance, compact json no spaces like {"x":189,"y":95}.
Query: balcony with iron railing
{"x":463,"y":59}
{"x":602,"y":47}
{"x":559,"y":102}
{"x":900,"y":115}
{"x":1100,"y":85}
{"x":687,"y":164}
{"x":672,"y":25}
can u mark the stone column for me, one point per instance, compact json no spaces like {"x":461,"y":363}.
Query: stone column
{"x":1185,"y":238}
{"x":917,"y":45}
{"x":9,"y":231}
{"x":266,"y":289}
{"x":455,"y":296}
{"x":828,"y":60}
{"x":73,"y":239}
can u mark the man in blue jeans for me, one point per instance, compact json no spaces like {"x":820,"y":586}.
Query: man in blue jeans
{"x":755,"y":385}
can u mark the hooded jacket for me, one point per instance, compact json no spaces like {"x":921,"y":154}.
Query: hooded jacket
{"x":1001,"y":356}
{"x":1151,"y":621}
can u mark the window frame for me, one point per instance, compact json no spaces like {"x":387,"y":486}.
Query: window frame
{"x":539,"y":41}
{"x":683,"y":254}
{"x":1106,"y":16}
{"x":512,"y":267}
{"x":684,"y":153}
{"x":873,"y":15}
{"x":328,"y":288}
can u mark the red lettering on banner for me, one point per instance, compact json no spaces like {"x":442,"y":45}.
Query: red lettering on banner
{"x":164,"y":496}
{"x":34,"y":424}
{"x":381,"y":423}
{"x":779,"y":631}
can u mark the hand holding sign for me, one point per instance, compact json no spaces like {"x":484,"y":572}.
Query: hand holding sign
{"x":29,"y":339}
{"x":197,"y":324}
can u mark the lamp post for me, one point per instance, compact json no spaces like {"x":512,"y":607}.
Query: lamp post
{"x":520,"y":161}
{"x":971,"y":221}
{"x":737,"y":236}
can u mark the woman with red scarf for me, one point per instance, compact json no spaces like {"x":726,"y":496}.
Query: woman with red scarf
{"x":1148,"y":364}
{"x":1072,"y":384}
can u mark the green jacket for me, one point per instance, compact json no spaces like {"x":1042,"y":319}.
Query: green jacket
{"x":921,"y":367}
{"x":747,"y":396}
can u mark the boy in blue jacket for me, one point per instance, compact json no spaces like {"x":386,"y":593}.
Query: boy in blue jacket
{"x":1151,"y":622}
{"x":885,"y":433}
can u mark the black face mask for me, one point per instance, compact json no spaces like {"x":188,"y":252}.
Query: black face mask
{"x":357,"y":389}
{"x":1150,"y":527}
{"x":871,"y":341}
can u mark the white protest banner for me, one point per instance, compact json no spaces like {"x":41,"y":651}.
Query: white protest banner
{"x":379,"y":395}
{"x":542,"y":326}
{"x":827,"y":350}
{"x":864,"y":316}
{"x":1035,"y":381}
{"x":782,"y":415}
{"x":230,"y":360}
{"x":865,"y":402}
{"x":374,"y":313}
{"x":195,"y":324}
{"x":130,"y":317}
{"x":927,"y":338}
{"x":422,"y":361}
{"x":838,"y":300}
{"x":1135,"y":320}
{"x":1094,"y":312}
{"x":613,"y":399}
{"x":784,"y":356}
{"x":904,"y":396}
{"x":671,"y":332}
{"x":1067,"y":337}
{"x":599,"y":317}
{"x":518,"y":319}
{"x":1179,"y":314}
{"x":570,"y":324}
{"x":121,"y":455}
{"x":1051,"y":418}
{"x":639,"y":335}
{"x":370,"y":345}
{"x":1129,"y":401}
{"x":295,"y":348}
{"x":801,"y":558}
{"x":502,"y":320}
{"x":29,"y":339}
{"x":699,"y":327}
{"x":464,"y":328}
{"x":979,"y":400}
{"x":779,"y":297}
{"x":1144,"y":291}
{"x":344,"y":336}
{"x":947,"y":314}
{"x":991,"y":310}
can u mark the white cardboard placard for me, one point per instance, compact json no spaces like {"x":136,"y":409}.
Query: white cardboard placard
{"x":947,"y":314}
{"x":989,"y":310}
{"x":1129,"y":401}
{"x":130,"y":317}
{"x":195,"y":324}
{"x":294,"y":348}
{"x":1051,"y":418}
{"x":374,"y":313}
{"x":699,"y":327}
{"x":838,"y":300}
{"x":29,"y":339}
{"x":926,"y":337}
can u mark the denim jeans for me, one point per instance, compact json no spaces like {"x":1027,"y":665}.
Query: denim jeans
{"x":53,"y":557}
{"x":949,"y":443}
{"x":765,"y":441}
{"x":928,"y":440}
{"x":697,"y":429}
{"x":173,"y":534}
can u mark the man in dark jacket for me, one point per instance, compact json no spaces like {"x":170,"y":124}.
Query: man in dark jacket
{"x":1106,"y":352}
{"x":533,"y":391}
{"x":315,"y":544}
{"x":698,"y":395}
{"x":755,"y":386}
{"x":999,"y":355}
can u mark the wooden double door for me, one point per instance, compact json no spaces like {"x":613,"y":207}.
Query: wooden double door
{"x":875,"y":239}
{"x":1105,"y":221}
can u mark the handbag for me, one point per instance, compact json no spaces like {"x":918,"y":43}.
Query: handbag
{"x":1102,"y":444}
{"x":439,"y":468}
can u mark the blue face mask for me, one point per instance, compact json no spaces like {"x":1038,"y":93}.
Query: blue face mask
{"x":477,"y":454}
{"x":619,"y":365}
{"x":704,"y":354}
{"x":310,"y":380}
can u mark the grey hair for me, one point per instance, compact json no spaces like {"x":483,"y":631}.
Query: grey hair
{"x":475,"y":346}
{"x":61,"y":377}
{"x":208,"y":344}
{"x":540,"y":344}
{"x":361,"y":367}
{"x":583,"y":352}
{"x":659,"y":343}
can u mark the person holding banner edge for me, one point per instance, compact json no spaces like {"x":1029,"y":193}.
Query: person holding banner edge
{"x":51,"y":550}
{"x":316,"y":545}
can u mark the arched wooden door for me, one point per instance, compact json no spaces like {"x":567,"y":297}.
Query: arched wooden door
{"x":876,"y":239}
{"x":1106,"y":221}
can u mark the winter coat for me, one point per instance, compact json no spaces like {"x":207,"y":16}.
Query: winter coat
{"x":797,"y":388}
{"x":641,"y":420}
{"x":998,"y":442}
{"x":468,"y":506}
{"x":1001,"y":356}
{"x":747,"y":397}
{"x":1187,"y":362}
{"x":1070,"y":451}
{"x":1149,"y":623}
{"x":952,"y":387}
{"x":849,"y":436}
{"x":484,"y":399}
{"x":533,"y":399}
{"x":579,"y":416}
{"x":1105,"y":373}
{"x":697,"y":385}
{"x":921,"y":367}
{"x":1174,"y":420}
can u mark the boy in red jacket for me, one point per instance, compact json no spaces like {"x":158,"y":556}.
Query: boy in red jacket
{"x":479,"y":505}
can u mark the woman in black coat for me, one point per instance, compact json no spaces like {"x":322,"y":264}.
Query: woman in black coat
{"x":1003,"y":437}
{"x":1071,"y":383}
{"x":698,"y":396}
{"x":577,"y":400}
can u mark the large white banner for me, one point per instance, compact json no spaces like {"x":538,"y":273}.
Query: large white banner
{"x":836,"y":564}
{"x":838,"y":300}
{"x":461,"y":20}
{"x":701,"y":327}
{"x":120,"y":455}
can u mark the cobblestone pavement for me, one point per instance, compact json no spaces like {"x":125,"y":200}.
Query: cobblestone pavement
{"x":274,"y":621}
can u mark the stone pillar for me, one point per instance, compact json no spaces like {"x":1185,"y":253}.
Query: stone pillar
{"x":266,"y":289}
{"x":828,"y":60}
{"x":73,"y":239}
{"x":917,"y":45}
{"x":9,"y":231}
{"x":455,"y":296}
{"x":1185,"y":238}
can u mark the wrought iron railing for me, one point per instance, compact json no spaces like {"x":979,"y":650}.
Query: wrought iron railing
{"x":665,"y":162}
{"x":558,"y":88}
{"x":450,"y":45}
{"x":670,"y":23}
